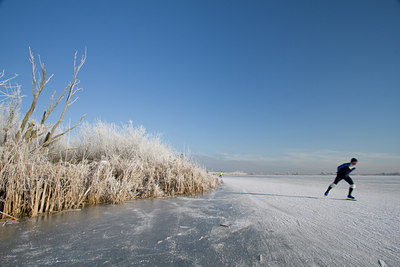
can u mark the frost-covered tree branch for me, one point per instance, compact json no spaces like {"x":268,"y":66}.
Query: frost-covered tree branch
{"x":28,"y":129}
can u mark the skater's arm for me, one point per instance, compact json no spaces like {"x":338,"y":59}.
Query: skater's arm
{"x":344,"y":170}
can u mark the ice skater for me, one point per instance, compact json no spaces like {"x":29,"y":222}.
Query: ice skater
{"x":343,"y":172}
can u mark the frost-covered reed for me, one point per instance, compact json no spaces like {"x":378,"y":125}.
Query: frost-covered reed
{"x":103,"y":163}
{"x":109,"y":164}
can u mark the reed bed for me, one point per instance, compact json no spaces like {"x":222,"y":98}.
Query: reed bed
{"x":33,"y":183}
{"x":44,"y":171}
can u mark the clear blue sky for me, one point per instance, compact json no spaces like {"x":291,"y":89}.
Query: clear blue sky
{"x":262,"y":85}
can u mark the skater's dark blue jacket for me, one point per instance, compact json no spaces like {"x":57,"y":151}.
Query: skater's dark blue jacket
{"x":344,"y":170}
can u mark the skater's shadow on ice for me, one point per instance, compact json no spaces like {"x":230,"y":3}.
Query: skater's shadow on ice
{"x":279,"y":195}
{"x":271,"y":195}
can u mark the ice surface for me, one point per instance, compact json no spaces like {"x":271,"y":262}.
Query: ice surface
{"x":270,"y":220}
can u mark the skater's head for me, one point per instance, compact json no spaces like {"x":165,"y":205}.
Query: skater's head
{"x":354,"y":161}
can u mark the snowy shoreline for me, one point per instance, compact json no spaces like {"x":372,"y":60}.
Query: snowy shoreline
{"x":259,"y":221}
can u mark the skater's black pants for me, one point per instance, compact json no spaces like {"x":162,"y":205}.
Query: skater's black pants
{"x":337,"y":180}
{"x":346,"y":178}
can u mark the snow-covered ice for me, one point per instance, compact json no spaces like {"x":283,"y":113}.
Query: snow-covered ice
{"x":248,"y":221}
{"x":324,"y":231}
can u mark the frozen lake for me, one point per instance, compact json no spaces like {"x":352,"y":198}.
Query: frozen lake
{"x":266,"y":220}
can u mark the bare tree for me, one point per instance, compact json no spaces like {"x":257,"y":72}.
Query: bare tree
{"x":28,"y":129}
{"x":10,"y":100}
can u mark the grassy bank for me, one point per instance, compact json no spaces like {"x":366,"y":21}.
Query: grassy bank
{"x":43,"y":171}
